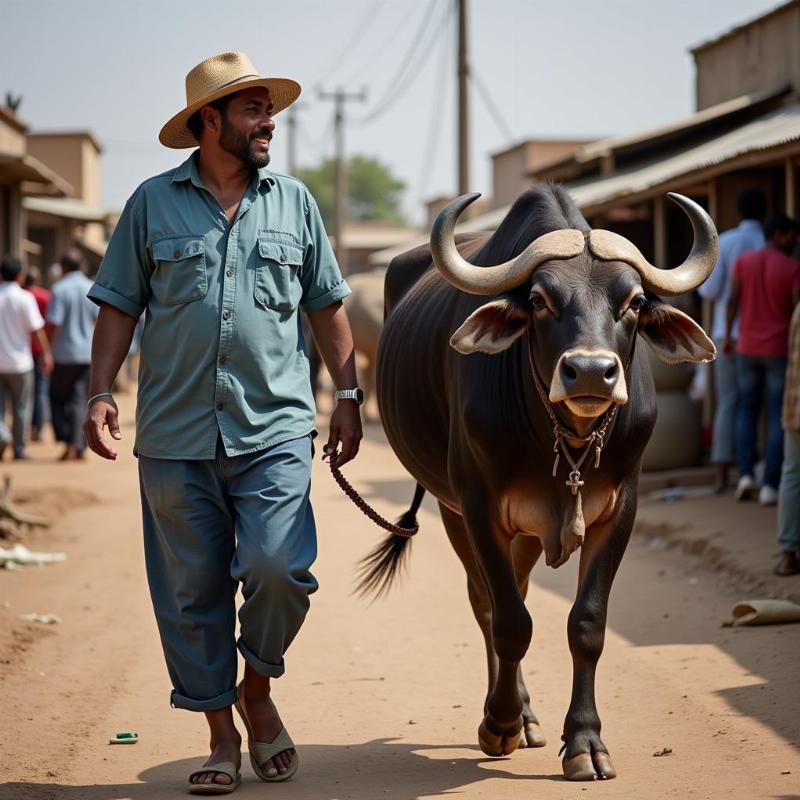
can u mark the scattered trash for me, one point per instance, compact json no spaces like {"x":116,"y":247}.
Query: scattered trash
{"x":764,"y":612}
{"x":412,"y":722}
{"x":124,"y":737}
{"x":786,"y":772}
{"x":674,"y":493}
{"x":666,"y":751}
{"x":45,"y":619}
{"x":19,"y":555}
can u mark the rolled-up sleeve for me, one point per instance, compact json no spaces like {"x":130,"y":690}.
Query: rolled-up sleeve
{"x":123,"y":280}
{"x":322,"y":280}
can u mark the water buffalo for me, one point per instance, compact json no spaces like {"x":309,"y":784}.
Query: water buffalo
{"x":517,"y":396}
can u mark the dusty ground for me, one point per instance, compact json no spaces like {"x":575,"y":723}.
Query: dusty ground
{"x":384,"y":700}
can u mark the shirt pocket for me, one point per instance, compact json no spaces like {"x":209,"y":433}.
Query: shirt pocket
{"x":180,"y":272}
{"x":277,"y":284}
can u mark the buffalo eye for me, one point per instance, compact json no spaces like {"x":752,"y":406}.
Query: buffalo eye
{"x":638,"y":303}
{"x":537,"y":301}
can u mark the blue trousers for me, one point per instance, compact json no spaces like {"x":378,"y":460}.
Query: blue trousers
{"x":723,"y":440}
{"x":754,"y":374}
{"x":210,"y":526}
{"x":789,"y":496}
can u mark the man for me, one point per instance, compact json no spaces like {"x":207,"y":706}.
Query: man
{"x":41,"y":384}
{"x":789,"y":494}
{"x":746,"y":237}
{"x":223,"y":254}
{"x":71,"y":318}
{"x":19,"y":319}
{"x":764,"y":291}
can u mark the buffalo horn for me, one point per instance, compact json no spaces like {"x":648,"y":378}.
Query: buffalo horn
{"x":688,"y":276}
{"x":493,"y":280}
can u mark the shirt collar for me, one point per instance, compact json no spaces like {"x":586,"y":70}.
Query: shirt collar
{"x":188,"y":172}
{"x":750,"y":223}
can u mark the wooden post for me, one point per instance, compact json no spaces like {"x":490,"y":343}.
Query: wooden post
{"x":660,"y":232}
{"x":463,"y":100}
{"x":791,"y":187}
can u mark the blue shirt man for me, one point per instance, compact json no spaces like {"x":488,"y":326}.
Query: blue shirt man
{"x":221,"y":254}
{"x":746,"y":237}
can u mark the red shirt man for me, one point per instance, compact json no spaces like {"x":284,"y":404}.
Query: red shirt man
{"x":764,"y":290}
{"x":42,"y":297}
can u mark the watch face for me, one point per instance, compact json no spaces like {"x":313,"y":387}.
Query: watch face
{"x":360,"y":396}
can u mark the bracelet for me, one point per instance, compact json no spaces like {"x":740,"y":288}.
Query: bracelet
{"x":97,"y":397}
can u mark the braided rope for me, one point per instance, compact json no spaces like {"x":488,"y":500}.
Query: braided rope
{"x":362,"y":504}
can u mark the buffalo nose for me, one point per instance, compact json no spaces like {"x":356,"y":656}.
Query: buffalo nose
{"x":584,"y":374}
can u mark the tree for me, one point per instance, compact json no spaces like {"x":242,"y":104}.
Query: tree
{"x":373,"y":192}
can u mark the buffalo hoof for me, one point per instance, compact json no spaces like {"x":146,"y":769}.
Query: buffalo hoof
{"x":498,"y":744}
{"x":586,"y":767}
{"x":532,"y":736}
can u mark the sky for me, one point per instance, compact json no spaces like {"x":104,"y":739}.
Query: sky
{"x":574,"y":68}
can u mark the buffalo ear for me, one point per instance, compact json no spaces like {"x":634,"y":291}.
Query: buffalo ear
{"x":491,"y":328}
{"x":674,"y":336}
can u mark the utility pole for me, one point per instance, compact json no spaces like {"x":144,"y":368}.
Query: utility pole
{"x":340,"y":97}
{"x":291,"y":135}
{"x":463,"y":100}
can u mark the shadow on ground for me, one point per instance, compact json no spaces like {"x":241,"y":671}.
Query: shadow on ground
{"x":381,"y":769}
{"x":646,"y":609}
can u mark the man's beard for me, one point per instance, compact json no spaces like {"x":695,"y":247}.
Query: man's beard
{"x":238,"y":145}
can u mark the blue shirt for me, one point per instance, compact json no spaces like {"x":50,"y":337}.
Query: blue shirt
{"x":222,"y":352}
{"x":748,"y":236}
{"x":75,"y":317}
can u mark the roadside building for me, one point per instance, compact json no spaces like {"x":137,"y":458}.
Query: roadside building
{"x":54,"y":224}
{"x":22,"y":175}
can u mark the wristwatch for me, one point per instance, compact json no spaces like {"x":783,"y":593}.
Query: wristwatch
{"x":350,"y":394}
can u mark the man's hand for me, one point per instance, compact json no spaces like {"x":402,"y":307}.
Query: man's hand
{"x":47,"y":363}
{"x":102,"y":413}
{"x":729,"y":346}
{"x":345,"y":428}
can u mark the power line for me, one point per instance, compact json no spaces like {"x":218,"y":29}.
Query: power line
{"x":379,"y":54}
{"x":359,"y":32}
{"x":435,"y":116}
{"x":494,"y":111}
{"x":400,"y":83}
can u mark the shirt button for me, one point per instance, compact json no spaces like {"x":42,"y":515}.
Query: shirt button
{"x":283,"y":258}
{"x":226,"y":315}
{"x":177,"y":253}
{"x":229,"y":273}
{"x":223,"y":359}
{"x":219,"y":406}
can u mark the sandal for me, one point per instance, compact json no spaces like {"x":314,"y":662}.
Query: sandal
{"x":224,"y":768}
{"x":260,"y":752}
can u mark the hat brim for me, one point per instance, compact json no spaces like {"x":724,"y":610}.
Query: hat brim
{"x":282,"y":91}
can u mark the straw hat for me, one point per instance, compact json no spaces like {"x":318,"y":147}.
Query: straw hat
{"x":214,"y":78}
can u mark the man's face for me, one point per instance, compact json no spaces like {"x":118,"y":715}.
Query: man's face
{"x":246,"y":127}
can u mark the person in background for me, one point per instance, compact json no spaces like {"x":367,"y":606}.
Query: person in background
{"x":19,"y":319}
{"x":41,"y":384}
{"x":71,"y":317}
{"x":747,"y":236}
{"x":789,"y":494}
{"x":764,"y":291}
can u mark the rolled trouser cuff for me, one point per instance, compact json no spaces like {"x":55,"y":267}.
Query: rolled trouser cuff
{"x":265,"y":668}
{"x":221,"y":701}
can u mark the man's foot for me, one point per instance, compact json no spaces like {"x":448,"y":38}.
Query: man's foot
{"x":788,"y":564}
{"x":746,"y":488}
{"x":225,"y":750}
{"x":265,"y":724}
{"x":767,"y":495}
{"x":720,"y":478}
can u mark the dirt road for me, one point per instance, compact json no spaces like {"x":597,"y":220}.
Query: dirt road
{"x":383,"y":700}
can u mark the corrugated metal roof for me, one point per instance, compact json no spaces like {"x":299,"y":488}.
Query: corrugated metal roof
{"x":772,"y":130}
{"x":66,"y":207}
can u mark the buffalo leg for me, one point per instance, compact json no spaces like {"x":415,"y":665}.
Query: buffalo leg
{"x":525,"y":552}
{"x":585,"y":756}
{"x":511,"y":628}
